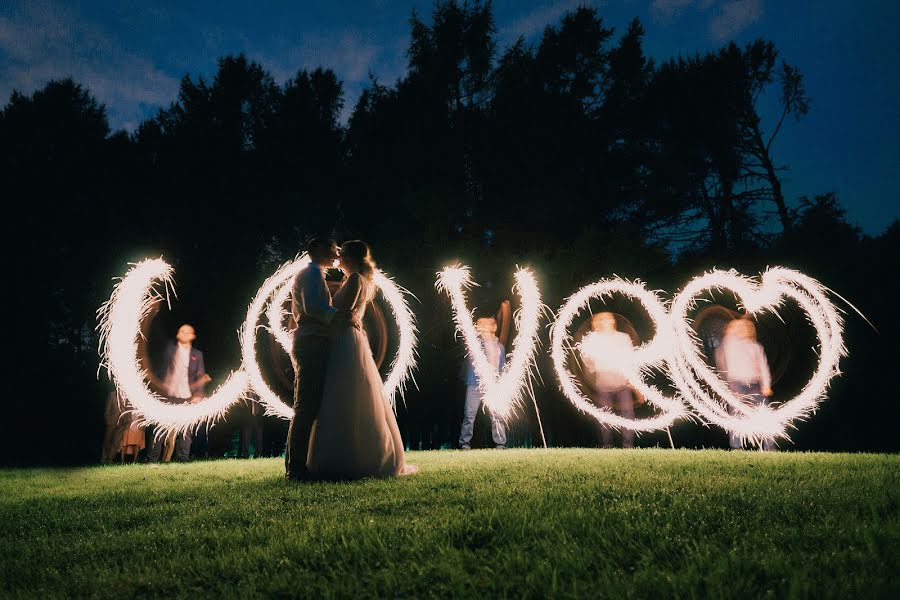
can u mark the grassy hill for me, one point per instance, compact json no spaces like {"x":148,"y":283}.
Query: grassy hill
{"x":533,"y":523}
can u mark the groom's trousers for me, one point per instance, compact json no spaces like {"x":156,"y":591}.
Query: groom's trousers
{"x":310,"y":364}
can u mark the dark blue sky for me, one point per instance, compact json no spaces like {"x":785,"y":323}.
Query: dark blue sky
{"x":132,"y":57}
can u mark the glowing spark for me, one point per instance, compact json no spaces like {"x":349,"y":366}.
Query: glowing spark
{"x":132,"y":300}
{"x":633,"y":365}
{"x":503,"y":393}
{"x":710,"y":396}
{"x":280,"y":286}
{"x":283,"y":277}
{"x":120,"y":327}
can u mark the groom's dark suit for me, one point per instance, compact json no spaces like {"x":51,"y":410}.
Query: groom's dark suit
{"x":312,"y":309}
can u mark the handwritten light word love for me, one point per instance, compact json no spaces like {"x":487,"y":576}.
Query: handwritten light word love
{"x":674,"y":350}
{"x":503,"y":393}
{"x":134,"y":297}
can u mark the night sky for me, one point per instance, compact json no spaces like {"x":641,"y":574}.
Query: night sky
{"x":132,"y":58}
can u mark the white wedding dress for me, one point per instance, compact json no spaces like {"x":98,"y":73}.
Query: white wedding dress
{"x":356,"y":433}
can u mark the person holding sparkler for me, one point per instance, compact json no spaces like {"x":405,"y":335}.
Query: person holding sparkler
{"x":496,"y":354}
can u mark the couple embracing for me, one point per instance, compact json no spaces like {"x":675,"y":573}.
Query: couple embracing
{"x":343,"y":426}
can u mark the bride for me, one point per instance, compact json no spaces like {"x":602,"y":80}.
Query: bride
{"x":356,"y":433}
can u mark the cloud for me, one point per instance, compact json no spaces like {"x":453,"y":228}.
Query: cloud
{"x":667,"y":11}
{"x":41,"y":40}
{"x":535,"y":21}
{"x":731,"y":18}
{"x":734,"y":17}
{"x":348,"y":53}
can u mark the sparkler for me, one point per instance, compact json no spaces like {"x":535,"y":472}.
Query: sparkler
{"x":120,"y":326}
{"x":502,"y":393}
{"x":674,"y":348}
{"x":633,"y":365}
{"x":710,"y":396}
{"x":134,"y":297}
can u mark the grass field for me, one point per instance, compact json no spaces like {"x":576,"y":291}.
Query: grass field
{"x":532,"y":523}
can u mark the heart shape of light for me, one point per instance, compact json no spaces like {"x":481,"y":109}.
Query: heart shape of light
{"x":133,"y":299}
{"x":503,"y":393}
{"x":709,"y":395}
{"x":633,"y":366}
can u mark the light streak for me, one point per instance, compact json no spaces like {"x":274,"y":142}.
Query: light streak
{"x":119,"y":325}
{"x":710,"y":396}
{"x":134,"y":297}
{"x":502,"y":393}
{"x":633,"y":366}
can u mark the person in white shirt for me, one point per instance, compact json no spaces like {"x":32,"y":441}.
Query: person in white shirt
{"x":184,"y":381}
{"x":602,"y":346}
{"x":742,"y":361}
{"x":496,"y":355}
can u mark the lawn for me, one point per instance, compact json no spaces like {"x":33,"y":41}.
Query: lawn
{"x":520,"y":523}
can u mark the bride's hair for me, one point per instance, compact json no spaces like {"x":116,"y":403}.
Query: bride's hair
{"x":360,"y":255}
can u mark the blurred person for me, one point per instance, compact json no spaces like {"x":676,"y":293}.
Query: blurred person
{"x":114,"y":428}
{"x":132,"y":437}
{"x":252,"y":428}
{"x":184,"y":381}
{"x":742,"y":361}
{"x":611,"y":387}
{"x":496,"y":355}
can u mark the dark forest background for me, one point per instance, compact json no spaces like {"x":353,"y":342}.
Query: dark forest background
{"x":577,"y":156}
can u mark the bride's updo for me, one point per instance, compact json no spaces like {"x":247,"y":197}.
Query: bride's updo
{"x":359,"y":253}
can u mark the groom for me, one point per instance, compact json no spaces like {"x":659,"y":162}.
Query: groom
{"x":312,"y":309}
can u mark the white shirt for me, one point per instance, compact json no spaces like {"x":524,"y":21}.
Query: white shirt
{"x":604,"y":353}
{"x":492,"y":351}
{"x":311,"y":302}
{"x":178,"y":384}
{"x":743,"y":361}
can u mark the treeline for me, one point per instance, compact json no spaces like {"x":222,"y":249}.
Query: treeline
{"x":577,"y":155}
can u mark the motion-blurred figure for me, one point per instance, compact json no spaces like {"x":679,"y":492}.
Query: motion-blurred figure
{"x":252,"y":428}
{"x":132,"y":438}
{"x":112,"y":434}
{"x":605,"y":342}
{"x":184,"y":381}
{"x":496,"y":355}
{"x":742,"y":361}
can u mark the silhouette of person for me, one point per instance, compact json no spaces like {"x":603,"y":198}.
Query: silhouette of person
{"x":252,"y":428}
{"x":114,"y":428}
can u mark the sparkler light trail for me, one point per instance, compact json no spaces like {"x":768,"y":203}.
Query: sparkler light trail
{"x":503,"y":393}
{"x":120,"y":327}
{"x":404,"y":362}
{"x":134,"y":297}
{"x":709,"y":396}
{"x":633,"y":365}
